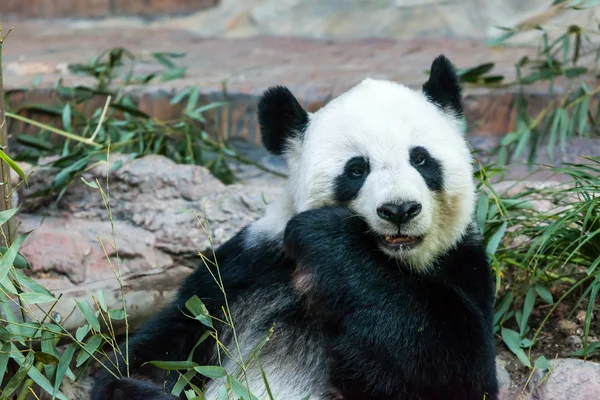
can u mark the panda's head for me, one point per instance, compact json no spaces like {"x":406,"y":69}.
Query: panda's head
{"x":397,"y":157}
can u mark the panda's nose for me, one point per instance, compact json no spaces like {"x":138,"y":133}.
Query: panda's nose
{"x":399,"y":213}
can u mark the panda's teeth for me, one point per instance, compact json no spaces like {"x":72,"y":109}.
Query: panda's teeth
{"x":397,"y":239}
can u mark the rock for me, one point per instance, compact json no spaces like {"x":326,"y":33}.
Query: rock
{"x":567,"y":327}
{"x":73,"y":252}
{"x":574,"y":341}
{"x":396,"y":19}
{"x":580,"y":316}
{"x":567,"y":379}
{"x":504,"y":381}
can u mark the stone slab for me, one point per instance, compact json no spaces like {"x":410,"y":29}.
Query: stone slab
{"x":315,"y":70}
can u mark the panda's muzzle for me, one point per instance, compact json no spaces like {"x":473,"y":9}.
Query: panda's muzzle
{"x":399,"y":213}
{"x":401,"y":242}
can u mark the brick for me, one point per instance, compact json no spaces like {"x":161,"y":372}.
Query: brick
{"x":100,"y":8}
{"x":91,"y":8}
{"x":315,"y":70}
{"x":158,"y":8}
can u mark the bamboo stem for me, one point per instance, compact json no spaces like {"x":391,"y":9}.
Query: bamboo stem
{"x":4,"y":168}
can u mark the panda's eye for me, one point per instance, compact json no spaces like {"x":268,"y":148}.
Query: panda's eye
{"x":418,"y":159}
{"x":356,"y":169}
{"x":357,"y":172}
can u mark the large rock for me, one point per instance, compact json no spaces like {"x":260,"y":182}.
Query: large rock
{"x":400,"y":19}
{"x":71,"y":249}
{"x":567,"y":379}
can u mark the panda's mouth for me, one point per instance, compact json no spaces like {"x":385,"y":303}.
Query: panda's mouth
{"x":401,"y":242}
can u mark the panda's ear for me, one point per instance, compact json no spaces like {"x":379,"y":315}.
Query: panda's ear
{"x":281,"y":118}
{"x":443,"y":86}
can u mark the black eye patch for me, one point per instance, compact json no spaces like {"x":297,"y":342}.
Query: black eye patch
{"x":348,"y":184}
{"x":429,"y":168}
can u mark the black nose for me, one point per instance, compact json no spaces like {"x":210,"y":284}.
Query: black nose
{"x":399,"y":213}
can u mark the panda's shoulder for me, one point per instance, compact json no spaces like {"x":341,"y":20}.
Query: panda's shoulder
{"x":243,"y":265}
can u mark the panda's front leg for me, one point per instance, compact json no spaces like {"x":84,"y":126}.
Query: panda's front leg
{"x":393,"y":334}
{"x":323,"y":242}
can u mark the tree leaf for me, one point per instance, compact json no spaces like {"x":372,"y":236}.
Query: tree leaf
{"x":512,"y":341}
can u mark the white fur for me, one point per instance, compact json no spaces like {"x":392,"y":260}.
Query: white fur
{"x":382,"y":121}
{"x":289,"y":357}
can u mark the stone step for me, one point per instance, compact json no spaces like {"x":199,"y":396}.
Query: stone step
{"x":315,"y":70}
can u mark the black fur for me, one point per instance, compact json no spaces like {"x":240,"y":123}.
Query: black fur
{"x":280,"y":117}
{"x":431,"y":168}
{"x":396,"y":334}
{"x":171,"y":335}
{"x":443,"y":86}
{"x":347,"y":185}
{"x":385,"y":333}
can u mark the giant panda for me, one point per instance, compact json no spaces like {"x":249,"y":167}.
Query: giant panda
{"x":369,"y":271}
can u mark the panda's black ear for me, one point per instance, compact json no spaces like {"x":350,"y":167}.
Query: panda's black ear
{"x":281,"y":117}
{"x":443,"y":86}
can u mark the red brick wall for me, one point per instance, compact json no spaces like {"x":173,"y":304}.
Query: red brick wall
{"x":100,"y":8}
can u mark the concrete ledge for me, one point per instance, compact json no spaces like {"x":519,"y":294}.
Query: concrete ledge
{"x":315,"y":70}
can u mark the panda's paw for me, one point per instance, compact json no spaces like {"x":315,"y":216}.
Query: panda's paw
{"x":319,"y":229}
{"x":129,"y":389}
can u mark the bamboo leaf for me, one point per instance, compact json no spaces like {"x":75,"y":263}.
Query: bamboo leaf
{"x":527,"y":308}
{"x":89,"y":314}
{"x":90,"y":347}
{"x":9,"y":257}
{"x":36,"y":298}
{"x":13,"y":165}
{"x":512,"y":341}
{"x":212,"y":372}
{"x":19,"y":376}
{"x":63,"y":366}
